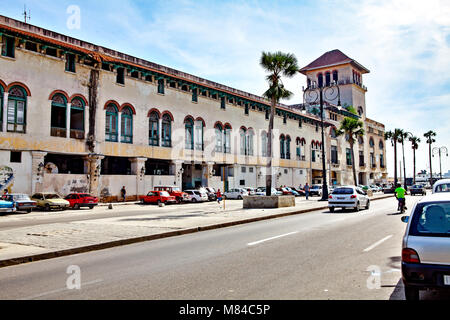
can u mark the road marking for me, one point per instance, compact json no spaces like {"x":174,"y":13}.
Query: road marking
{"x":60,"y":290}
{"x":268,"y":239}
{"x":377,"y":243}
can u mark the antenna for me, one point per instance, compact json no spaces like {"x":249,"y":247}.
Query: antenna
{"x":25,"y":14}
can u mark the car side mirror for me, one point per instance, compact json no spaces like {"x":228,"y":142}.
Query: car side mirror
{"x":405,"y":219}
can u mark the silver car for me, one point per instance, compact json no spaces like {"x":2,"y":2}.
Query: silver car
{"x":426,"y":246}
{"x":442,"y":185}
{"x":348,"y":197}
{"x":238,"y":193}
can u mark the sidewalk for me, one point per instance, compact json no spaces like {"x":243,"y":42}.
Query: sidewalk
{"x":57,"y":239}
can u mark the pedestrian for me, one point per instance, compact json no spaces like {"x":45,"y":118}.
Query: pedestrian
{"x":307,"y":190}
{"x":219,"y":196}
{"x":5,"y":194}
{"x":124,"y":193}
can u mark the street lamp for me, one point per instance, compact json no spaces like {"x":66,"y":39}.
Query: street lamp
{"x":319,"y":94}
{"x":440,"y":150}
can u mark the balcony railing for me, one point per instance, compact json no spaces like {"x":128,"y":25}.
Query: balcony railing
{"x":350,"y":81}
{"x":58,"y":132}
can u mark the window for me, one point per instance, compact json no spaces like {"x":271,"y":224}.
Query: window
{"x":264,"y":142}
{"x":242,"y":182}
{"x":335,"y":76}
{"x":219,"y":139}
{"x":372,"y":160}
{"x":149,"y":78}
{"x":166,"y":132}
{"x":120,"y":76}
{"x":51,"y":52}
{"x":298,"y":150}
{"x":334,"y":155}
{"x":8,"y":46}
{"x":161,"y":86}
{"x":126,"y":128}
{"x":250,"y":170}
{"x":31,"y":46}
{"x":361,"y":159}
{"x":153,"y":131}
{"x":371,"y":143}
{"x":198,"y":136}
{"x":285,"y":118}
{"x":16,"y":110}
{"x":194,"y":95}
{"x":189,"y":134}
{"x":333,"y":132}
{"x":243,"y":135}
{"x":288,"y":148}
{"x":381,"y":145}
{"x":282,"y":147}
{"x":77,"y":118}
{"x":267,"y":114}
{"x":320,"y":80}
{"x":348,"y":156}
{"x":244,"y":169}
{"x":70,"y":62}
{"x":360,"y":111}
{"x":381,"y":161}
{"x":106,"y":66}
{"x":313,"y":155}
{"x":227,"y":136}
{"x":15,"y":157}
{"x":111,"y":126}
{"x":327,"y":79}
{"x":431,"y":220}
{"x":250,"y":135}
{"x":300,"y":123}
{"x":246,"y":110}
{"x":360,"y":140}
{"x":222,"y":102}
{"x":135,"y":74}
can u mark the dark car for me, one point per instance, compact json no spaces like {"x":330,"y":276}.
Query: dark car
{"x":418,"y":189}
{"x":388,"y":189}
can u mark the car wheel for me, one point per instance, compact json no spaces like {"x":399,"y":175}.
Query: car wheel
{"x":239,"y":197}
{"x":91,"y":207}
{"x":194,"y":200}
{"x":368,"y":205}
{"x":357,"y":207}
{"x":29,"y":211}
{"x":178,"y":200}
{"x":47,"y":207}
{"x":411,"y":294}
{"x":158,"y":202}
{"x":76,"y":206}
{"x":331,"y":209}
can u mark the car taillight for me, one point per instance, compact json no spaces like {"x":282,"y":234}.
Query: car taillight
{"x":330,"y":197}
{"x":353,"y":196}
{"x":410,"y":256}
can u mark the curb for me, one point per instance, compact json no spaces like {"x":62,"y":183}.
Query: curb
{"x":118,"y":243}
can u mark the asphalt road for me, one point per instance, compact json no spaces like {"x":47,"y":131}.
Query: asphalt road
{"x":318,"y":255}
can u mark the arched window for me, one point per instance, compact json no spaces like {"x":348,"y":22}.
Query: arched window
{"x":111,"y":125}
{"x":335,"y":76}
{"x":298,"y":150}
{"x":327,"y":78}
{"x":58,"y":123}
{"x":308,"y":82}
{"x":189,"y":133}
{"x":360,"y":111}
{"x":77,"y":118}
{"x":320,"y":80}
{"x":219,"y":138}
{"x":250,"y":149}
{"x":166,"y":131}
{"x":153,"y":129}
{"x":243,"y":135}
{"x":371,"y":143}
{"x":227,"y":136}
{"x":282,"y":147}
{"x":360,"y":140}
{"x":264,"y":142}
{"x":126,"y":129}
{"x":381,"y":145}
{"x":333,"y":132}
{"x":198,"y":136}
{"x":288,"y":147}
{"x":16,"y":111}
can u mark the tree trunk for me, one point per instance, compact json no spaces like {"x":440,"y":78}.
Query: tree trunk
{"x":431,"y":170}
{"x":414,"y":166}
{"x":353,"y":164}
{"x":395,"y":163}
{"x":269,"y":150}
{"x":404,"y":166}
{"x":93,"y":93}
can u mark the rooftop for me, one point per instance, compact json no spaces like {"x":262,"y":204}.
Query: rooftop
{"x":332,"y":58}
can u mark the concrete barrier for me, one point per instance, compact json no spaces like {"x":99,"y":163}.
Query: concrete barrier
{"x":254,"y":202}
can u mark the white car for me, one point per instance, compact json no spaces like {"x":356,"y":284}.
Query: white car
{"x":442,"y":185}
{"x":236,"y":193}
{"x":348,"y":197}
{"x":197,"y":196}
{"x":262,"y":192}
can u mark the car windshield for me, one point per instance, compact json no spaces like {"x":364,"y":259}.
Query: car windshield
{"x":52,"y":196}
{"x":431,"y":220}
{"x":21,"y":197}
{"x":164,"y":194}
{"x":343,"y":191}
{"x":445,"y":187}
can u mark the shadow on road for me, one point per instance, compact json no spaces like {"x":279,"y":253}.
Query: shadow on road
{"x":171,"y":217}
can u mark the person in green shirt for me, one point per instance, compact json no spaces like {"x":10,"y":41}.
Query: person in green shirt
{"x":400,"y":195}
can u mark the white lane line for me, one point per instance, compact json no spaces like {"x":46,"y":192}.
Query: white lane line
{"x":268,"y":239}
{"x":60,"y":290}
{"x":377,"y":243}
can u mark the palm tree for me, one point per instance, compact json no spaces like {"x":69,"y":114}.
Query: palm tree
{"x":394,"y":136}
{"x":414,"y":145}
{"x":352,"y":128}
{"x":402,"y":138}
{"x":429,"y":135}
{"x":277,"y":64}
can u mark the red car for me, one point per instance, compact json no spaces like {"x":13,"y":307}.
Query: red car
{"x":158,"y":197}
{"x":78,"y":200}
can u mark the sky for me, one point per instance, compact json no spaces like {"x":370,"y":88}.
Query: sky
{"x":404,"y":43}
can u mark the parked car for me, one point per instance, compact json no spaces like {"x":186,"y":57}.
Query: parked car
{"x":261,"y":191}
{"x":285,"y":191}
{"x":158,"y":197}
{"x":348,"y":197}
{"x":389,"y":189}
{"x":212,"y":196}
{"x":251,"y":191}
{"x":301,"y":192}
{"x":292,"y":191}
{"x":236,"y":193}
{"x":80,"y":200}
{"x":49,"y":201}
{"x":176,"y":192}
{"x":426,"y":246}
{"x":196,"y":196}
{"x":315,"y":190}
{"x":22,"y":202}
{"x":374,"y":188}
{"x":417,"y":189}
{"x":442,"y":185}
{"x":7,"y":205}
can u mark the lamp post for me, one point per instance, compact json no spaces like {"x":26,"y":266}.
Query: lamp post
{"x":319,"y":94}
{"x":440,"y":150}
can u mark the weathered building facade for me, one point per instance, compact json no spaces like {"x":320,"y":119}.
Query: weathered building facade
{"x":76,"y":117}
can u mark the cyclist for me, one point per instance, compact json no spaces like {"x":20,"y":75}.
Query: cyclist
{"x":400,"y":195}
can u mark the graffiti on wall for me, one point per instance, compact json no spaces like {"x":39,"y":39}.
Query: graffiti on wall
{"x":6,"y":178}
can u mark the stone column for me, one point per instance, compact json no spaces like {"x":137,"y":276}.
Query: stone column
{"x":138,"y":169}
{"x":94,"y":162}
{"x":37,"y":170}
{"x":5,"y":111}
{"x":69,"y":106}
